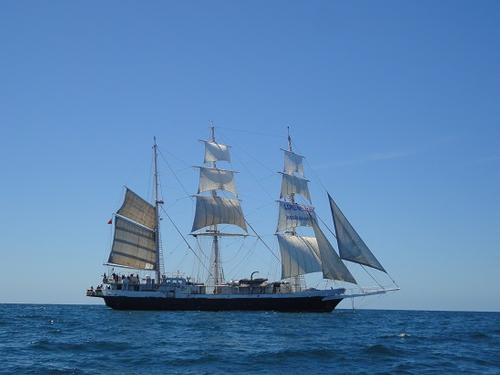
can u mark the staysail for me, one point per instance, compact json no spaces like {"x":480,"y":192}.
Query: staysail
{"x":351,"y":246}
{"x":332,"y":266}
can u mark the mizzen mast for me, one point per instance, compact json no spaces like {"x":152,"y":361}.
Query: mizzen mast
{"x":157,"y":211}
{"x":136,"y":238}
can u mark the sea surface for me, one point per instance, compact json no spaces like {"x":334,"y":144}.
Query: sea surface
{"x":73,"y":339}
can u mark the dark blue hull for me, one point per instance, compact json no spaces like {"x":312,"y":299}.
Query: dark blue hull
{"x":293,"y":304}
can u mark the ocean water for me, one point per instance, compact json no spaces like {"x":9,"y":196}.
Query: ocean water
{"x":69,"y":339}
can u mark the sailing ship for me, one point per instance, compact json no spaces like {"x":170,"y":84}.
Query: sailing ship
{"x":137,"y":247}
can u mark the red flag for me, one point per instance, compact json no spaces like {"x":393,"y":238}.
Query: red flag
{"x":110,"y":221}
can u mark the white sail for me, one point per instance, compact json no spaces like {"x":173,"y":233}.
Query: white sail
{"x":351,"y":246}
{"x":294,"y":185}
{"x":332,"y":266}
{"x":299,"y":255}
{"x":216,"y":152}
{"x":133,"y":245}
{"x":292,"y":215}
{"x":138,"y":210}
{"x":216,"y":179}
{"x":294,"y":163}
{"x":213,"y":210}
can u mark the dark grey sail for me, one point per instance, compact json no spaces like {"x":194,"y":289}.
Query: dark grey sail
{"x":332,"y":266}
{"x":134,"y":242}
{"x":351,"y":246}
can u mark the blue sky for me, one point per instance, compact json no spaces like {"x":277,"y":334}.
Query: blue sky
{"x":394,"y":104}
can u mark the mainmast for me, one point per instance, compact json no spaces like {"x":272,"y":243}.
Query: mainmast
{"x":218,"y":278}
{"x":292,"y":195}
{"x":157,"y":212}
{"x":214,"y":209}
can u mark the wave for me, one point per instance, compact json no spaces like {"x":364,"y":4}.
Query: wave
{"x":401,"y":335}
{"x":45,"y":344}
{"x":285,"y":354}
{"x":52,"y":370}
{"x":381,"y":349}
{"x":479,"y":336}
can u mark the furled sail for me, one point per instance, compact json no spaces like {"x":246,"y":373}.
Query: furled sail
{"x":294,"y":163}
{"x":133,"y":245}
{"x":299,"y":255}
{"x":216,"y":152}
{"x":332,"y":266}
{"x":351,"y":246}
{"x":294,"y":185}
{"x":292,"y":215}
{"x":216,"y":179}
{"x":213,"y":210}
{"x":138,"y":210}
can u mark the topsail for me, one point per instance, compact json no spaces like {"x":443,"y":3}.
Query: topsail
{"x":294,"y":163}
{"x":213,"y":210}
{"x":216,"y":179}
{"x":216,"y":152}
{"x":291,"y":185}
{"x":292,"y":215}
{"x":351,"y":246}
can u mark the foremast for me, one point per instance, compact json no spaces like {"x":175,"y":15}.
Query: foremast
{"x":301,"y":254}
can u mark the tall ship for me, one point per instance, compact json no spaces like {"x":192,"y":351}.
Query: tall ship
{"x":135,"y":277}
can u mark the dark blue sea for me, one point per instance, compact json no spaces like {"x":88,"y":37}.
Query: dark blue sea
{"x":70,"y":339}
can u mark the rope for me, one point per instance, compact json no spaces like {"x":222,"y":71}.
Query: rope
{"x":175,"y":174}
{"x":373,"y":278}
{"x":250,"y":132}
{"x":261,"y":240}
{"x":187,"y":243}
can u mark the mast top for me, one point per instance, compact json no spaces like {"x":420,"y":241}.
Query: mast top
{"x":289,"y":139}
{"x":212,"y":131}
